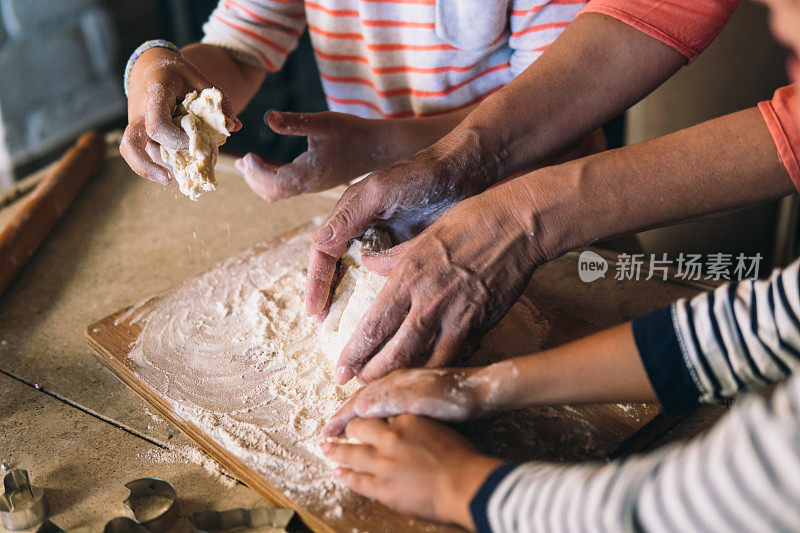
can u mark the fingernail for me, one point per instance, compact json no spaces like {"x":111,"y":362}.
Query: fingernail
{"x":343,"y":375}
{"x":266,"y":115}
{"x":322,"y":235}
{"x":239,"y":164}
{"x":327,"y":447}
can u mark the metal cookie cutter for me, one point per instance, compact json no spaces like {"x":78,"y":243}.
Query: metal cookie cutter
{"x":153,"y":502}
{"x":205,"y":521}
{"x":121,"y":524}
{"x":23,"y":505}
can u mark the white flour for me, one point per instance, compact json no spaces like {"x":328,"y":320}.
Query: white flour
{"x":236,"y":355}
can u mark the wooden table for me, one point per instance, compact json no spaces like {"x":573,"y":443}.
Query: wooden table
{"x":83,"y":434}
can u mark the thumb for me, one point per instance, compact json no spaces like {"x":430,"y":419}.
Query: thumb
{"x":230,"y":114}
{"x":384,"y":262}
{"x":298,"y":124}
{"x":352,"y":215}
{"x":259,"y":175}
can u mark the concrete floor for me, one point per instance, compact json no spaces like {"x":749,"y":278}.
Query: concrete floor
{"x":82,"y":434}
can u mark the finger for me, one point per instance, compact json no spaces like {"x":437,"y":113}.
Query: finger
{"x":321,"y":270}
{"x":384,"y":262}
{"x":299,"y":124}
{"x":158,"y":119}
{"x":407,"y":347}
{"x":132,"y":149}
{"x":227,"y":109}
{"x":322,"y":263}
{"x":453,"y":336}
{"x":367,"y":431}
{"x":358,"y":457}
{"x":341,"y":417}
{"x":383,"y":318}
{"x":382,"y":400}
{"x":356,"y":406}
{"x":365,"y":484}
{"x":261,"y":177}
{"x":352,"y":215}
{"x":198,"y":82}
{"x":154,"y":151}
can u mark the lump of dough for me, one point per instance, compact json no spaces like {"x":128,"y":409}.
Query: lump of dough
{"x":201,"y":117}
{"x":353,"y":295}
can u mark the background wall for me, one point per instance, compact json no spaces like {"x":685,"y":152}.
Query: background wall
{"x":58,"y":64}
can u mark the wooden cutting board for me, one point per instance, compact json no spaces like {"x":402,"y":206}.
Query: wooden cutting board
{"x":561,"y":433}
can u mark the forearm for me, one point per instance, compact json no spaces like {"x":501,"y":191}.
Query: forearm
{"x":603,"y":367}
{"x":723,"y":164}
{"x":596,"y":69}
{"x":238,"y":80}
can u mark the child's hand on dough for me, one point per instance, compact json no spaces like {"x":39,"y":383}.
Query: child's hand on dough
{"x":413,"y":465}
{"x":449,"y":394}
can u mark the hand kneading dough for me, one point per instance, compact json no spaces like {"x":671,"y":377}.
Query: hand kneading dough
{"x":201,"y":117}
{"x":353,"y":296}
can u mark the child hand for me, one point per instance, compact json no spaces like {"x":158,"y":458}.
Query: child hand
{"x":341,"y":147}
{"x":159,"y":81}
{"x":445,"y":394}
{"x":413,"y":465}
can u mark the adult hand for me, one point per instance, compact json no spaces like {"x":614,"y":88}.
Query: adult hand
{"x":408,"y":196}
{"x":403,"y":199}
{"x":412,"y":465}
{"x":159,"y":81}
{"x":453,"y":282}
{"x":449,"y":394}
{"x":341,"y":147}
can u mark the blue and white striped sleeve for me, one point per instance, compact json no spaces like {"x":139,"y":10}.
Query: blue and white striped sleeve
{"x":716,"y":345}
{"x":744,"y":476}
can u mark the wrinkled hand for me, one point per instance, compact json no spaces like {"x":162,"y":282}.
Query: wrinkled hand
{"x":341,"y":147}
{"x":412,"y":465}
{"x":449,"y":394}
{"x":403,"y":199}
{"x":159,"y":82}
{"x":453,"y":282}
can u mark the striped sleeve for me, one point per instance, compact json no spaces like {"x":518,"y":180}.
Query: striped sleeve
{"x":688,"y":26}
{"x":534,"y":25}
{"x":744,"y":476}
{"x":716,"y":345}
{"x":262,"y":32}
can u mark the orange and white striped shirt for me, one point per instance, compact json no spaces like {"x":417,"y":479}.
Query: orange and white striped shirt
{"x":397,"y":58}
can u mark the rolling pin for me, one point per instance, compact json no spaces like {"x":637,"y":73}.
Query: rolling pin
{"x":45,"y":205}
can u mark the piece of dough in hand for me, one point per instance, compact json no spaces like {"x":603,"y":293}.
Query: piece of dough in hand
{"x":353,"y":296}
{"x":201,"y":117}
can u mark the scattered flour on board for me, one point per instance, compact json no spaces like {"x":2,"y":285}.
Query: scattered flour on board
{"x":235,"y":354}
